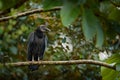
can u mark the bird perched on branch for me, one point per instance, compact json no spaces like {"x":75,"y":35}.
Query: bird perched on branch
{"x":37,"y":41}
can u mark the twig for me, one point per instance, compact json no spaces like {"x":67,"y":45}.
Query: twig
{"x":28,"y":13}
{"x":70,"y":62}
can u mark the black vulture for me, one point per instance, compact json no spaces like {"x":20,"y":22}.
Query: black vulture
{"x":37,"y":42}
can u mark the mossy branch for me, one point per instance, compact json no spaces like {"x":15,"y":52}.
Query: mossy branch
{"x":28,"y":13}
{"x":69,"y":62}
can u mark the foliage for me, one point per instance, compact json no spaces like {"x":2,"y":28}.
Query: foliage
{"x":80,"y":30}
{"x":115,"y":74}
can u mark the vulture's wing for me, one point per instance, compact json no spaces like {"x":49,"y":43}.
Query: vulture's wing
{"x":30,"y":46}
{"x":42,"y":47}
{"x":31,"y":50}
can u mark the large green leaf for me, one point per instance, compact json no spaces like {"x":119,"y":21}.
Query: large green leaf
{"x":109,"y":74}
{"x":69,"y":12}
{"x":91,"y":27}
{"x":100,"y":35}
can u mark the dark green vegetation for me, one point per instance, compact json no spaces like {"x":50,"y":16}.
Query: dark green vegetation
{"x":89,"y":26}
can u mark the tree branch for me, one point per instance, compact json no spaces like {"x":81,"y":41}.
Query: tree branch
{"x":28,"y":13}
{"x":70,"y":62}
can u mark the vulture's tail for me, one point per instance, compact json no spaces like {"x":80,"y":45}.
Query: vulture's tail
{"x":33,"y":67}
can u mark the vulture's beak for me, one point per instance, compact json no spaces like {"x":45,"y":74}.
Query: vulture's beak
{"x":44,"y":28}
{"x":47,"y":29}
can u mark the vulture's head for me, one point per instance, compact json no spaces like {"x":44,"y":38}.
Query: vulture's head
{"x":43,"y":28}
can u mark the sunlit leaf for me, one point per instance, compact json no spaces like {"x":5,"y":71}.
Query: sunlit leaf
{"x":107,"y":73}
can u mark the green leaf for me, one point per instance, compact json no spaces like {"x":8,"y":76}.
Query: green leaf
{"x":88,"y":26}
{"x":48,"y":4}
{"x":91,"y":27}
{"x":5,"y":4}
{"x":69,"y":12}
{"x":118,"y":66}
{"x":13,"y":49}
{"x":100,"y":36}
{"x":0,"y":4}
{"x":1,"y":30}
{"x":115,"y":14}
{"x":115,"y":74}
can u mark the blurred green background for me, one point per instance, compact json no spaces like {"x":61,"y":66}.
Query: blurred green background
{"x":76,"y":29}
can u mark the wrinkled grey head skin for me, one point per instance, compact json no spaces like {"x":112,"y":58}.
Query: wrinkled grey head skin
{"x":37,"y":41}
